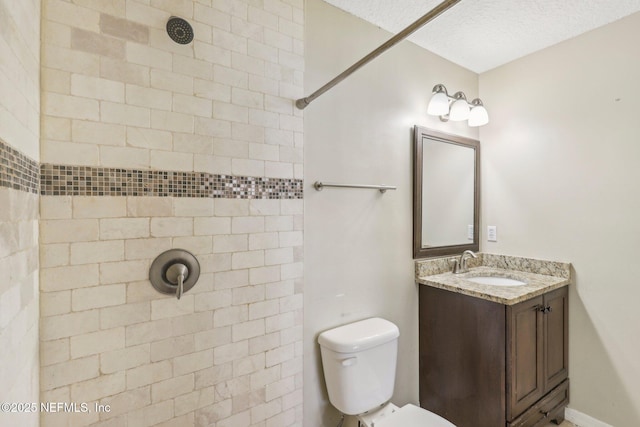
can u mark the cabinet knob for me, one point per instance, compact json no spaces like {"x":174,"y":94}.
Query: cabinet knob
{"x":544,"y":310}
{"x":541,"y":308}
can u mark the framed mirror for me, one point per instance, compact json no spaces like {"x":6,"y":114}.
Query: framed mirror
{"x":446,"y":193}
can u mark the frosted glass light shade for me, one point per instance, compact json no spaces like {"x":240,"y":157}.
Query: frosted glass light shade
{"x":459,"y":110}
{"x":438,"y":105}
{"x":478,"y":116}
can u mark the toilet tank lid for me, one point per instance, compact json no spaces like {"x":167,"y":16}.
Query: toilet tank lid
{"x":359,"y":336}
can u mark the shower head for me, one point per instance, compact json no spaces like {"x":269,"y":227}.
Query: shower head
{"x":179,"y":30}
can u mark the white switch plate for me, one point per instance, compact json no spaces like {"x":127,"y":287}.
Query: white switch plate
{"x":492,"y":233}
{"x":470,"y":232}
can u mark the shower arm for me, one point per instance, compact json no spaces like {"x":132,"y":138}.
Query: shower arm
{"x":433,"y":13}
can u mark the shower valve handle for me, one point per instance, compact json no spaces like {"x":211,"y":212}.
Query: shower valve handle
{"x":176,"y":274}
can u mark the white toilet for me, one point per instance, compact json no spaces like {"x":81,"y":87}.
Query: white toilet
{"x":359,"y":362}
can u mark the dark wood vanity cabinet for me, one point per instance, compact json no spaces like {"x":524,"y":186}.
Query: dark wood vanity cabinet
{"x":537,"y":354}
{"x":486,"y":364}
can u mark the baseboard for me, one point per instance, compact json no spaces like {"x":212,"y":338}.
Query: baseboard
{"x":583,"y":420}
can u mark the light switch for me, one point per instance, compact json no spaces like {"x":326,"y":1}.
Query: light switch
{"x":470,"y":232}
{"x":492,"y":233}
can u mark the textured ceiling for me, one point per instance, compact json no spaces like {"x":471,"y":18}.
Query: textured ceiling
{"x":483,"y":34}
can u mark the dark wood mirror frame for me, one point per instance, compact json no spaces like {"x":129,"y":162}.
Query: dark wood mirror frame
{"x":418,"y":251}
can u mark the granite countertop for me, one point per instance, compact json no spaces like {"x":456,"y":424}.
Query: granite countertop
{"x":540,"y":277}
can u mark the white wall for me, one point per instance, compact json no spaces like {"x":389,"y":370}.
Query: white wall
{"x":358,"y":247}
{"x":559,"y":179}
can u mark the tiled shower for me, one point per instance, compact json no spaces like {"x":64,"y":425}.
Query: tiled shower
{"x":118,"y":144}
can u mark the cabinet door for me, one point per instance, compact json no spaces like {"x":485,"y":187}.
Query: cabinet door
{"x":525,"y":382}
{"x":462,"y":358}
{"x":556,"y":343}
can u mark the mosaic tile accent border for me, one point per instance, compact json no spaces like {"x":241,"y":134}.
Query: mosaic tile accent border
{"x":18,"y":171}
{"x":61,"y":180}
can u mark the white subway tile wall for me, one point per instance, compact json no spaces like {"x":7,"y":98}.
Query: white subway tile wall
{"x":232,"y":342}
{"x":118,"y":93}
{"x":18,"y":303}
{"x":19,"y":141}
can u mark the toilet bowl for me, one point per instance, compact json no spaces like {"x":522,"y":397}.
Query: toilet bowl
{"x":359,"y":365}
{"x":407,"y":416}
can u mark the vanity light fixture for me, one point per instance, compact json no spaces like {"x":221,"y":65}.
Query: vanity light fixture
{"x":456,"y":107}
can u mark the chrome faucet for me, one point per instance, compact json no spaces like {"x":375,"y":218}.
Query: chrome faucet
{"x":460,"y":265}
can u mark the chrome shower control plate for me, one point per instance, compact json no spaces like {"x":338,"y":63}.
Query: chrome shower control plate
{"x":166,"y":267}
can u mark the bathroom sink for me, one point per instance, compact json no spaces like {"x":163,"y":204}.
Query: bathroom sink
{"x":495,"y":281}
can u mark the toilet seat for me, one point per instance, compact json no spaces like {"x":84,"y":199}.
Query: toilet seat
{"x":412,"y":416}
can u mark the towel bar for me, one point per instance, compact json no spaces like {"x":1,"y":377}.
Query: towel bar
{"x":318,"y":185}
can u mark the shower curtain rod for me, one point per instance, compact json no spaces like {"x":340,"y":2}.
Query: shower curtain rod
{"x":433,"y":13}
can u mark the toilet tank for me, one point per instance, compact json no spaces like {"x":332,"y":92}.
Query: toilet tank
{"x":359,"y":363}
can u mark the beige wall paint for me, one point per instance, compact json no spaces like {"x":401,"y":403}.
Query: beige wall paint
{"x":358,"y":242}
{"x":559,"y":175}
{"x":117,"y":92}
{"x":20,"y":129}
